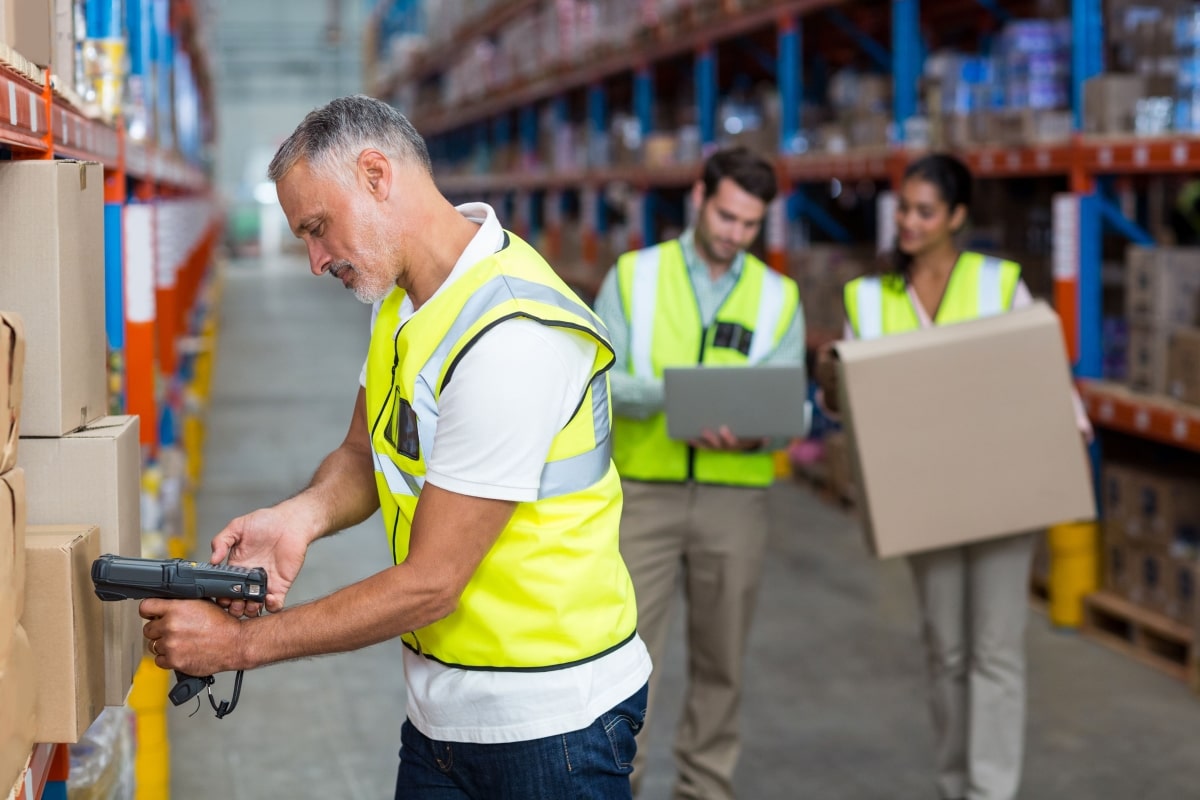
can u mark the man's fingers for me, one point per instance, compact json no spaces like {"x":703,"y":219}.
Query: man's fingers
{"x":152,"y":608}
{"x":222,"y":543}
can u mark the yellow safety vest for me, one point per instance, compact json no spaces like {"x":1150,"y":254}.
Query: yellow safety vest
{"x":553,"y":590}
{"x":665,"y":330}
{"x":979,"y":286}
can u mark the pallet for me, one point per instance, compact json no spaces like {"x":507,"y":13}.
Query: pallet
{"x":1147,"y":636}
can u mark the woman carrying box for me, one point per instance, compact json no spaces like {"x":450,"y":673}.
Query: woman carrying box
{"x":973,"y":598}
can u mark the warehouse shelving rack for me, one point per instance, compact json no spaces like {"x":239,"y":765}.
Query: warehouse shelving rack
{"x":1081,"y":216}
{"x":141,"y":178}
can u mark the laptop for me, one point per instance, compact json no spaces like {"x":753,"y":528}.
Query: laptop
{"x":752,"y":401}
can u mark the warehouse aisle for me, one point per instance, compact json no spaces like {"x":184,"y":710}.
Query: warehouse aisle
{"x":835,"y":702}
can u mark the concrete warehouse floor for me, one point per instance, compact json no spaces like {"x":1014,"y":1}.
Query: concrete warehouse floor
{"x":835,"y":705}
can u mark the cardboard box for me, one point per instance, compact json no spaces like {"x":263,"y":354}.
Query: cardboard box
{"x":12,"y":371}
{"x":1118,"y":566}
{"x":1110,"y":102}
{"x":966,"y":432}
{"x":1181,"y":589}
{"x":63,"y":56}
{"x":65,"y":621}
{"x":1119,"y":493}
{"x":18,"y":708}
{"x":1146,"y":354}
{"x":32,"y":31}
{"x":1149,"y":580}
{"x":1162,"y":286}
{"x":1183,"y":365}
{"x":12,"y":556}
{"x":93,"y":477}
{"x":52,"y":274}
{"x":1168,"y":511}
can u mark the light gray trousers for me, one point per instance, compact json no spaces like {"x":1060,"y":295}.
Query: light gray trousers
{"x":974,"y":604}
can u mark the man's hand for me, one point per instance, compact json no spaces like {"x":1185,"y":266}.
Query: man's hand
{"x":271,"y":538}
{"x":724,"y":440}
{"x":193,"y":636}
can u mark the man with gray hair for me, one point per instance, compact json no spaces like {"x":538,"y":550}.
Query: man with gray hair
{"x":481,"y":430}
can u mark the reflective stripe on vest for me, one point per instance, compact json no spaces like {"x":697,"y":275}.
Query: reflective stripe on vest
{"x":991,"y":299}
{"x":641,"y":317}
{"x":870,"y":307}
{"x":770,"y":307}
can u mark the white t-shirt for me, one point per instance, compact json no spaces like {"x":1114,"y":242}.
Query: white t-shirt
{"x":492,"y":439}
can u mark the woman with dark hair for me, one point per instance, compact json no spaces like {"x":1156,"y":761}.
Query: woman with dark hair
{"x":973,"y":598}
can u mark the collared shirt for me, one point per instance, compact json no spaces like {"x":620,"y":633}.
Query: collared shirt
{"x":638,"y":397}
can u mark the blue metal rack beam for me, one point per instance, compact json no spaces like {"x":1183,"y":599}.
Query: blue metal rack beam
{"x":649,"y":230}
{"x":643,"y":99}
{"x":906,"y":52}
{"x":754,"y":52}
{"x":597,"y":105}
{"x":791,"y":83}
{"x":801,"y":205}
{"x":994,"y":8}
{"x":706,"y":95}
{"x":1087,"y":51}
{"x":1091,"y":289}
{"x":529,"y":129}
{"x":878,"y":53}
{"x":1111,"y":214}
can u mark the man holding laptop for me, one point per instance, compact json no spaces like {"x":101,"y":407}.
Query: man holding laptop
{"x":694,"y":469}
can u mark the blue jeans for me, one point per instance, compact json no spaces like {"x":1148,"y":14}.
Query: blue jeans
{"x":589,"y":764}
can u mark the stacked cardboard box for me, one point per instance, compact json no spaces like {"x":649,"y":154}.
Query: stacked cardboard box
{"x":17,"y":667}
{"x":1151,"y":538}
{"x":1162,"y":285}
{"x":80,"y":468}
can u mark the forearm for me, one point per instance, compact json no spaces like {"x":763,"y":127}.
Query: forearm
{"x":379,"y":608}
{"x":451,"y":535}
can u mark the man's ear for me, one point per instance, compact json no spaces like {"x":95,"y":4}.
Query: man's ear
{"x":375,"y":173}
{"x":697,"y":195}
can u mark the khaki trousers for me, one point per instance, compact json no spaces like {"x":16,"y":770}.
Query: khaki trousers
{"x":974,"y":604}
{"x":711,"y":539}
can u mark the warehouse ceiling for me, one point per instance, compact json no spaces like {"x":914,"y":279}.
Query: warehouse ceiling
{"x":265,"y":50}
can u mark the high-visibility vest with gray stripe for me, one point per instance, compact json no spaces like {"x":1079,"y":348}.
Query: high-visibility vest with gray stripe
{"x":553,"y":590}
{"x":979,"y":286}
{"x":666,"y":330}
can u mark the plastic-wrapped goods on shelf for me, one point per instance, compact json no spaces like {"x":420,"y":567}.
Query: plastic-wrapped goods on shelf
{"x":1187,"y":96}
{"x":102,"y":761}
{"x":1035,"y":61}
